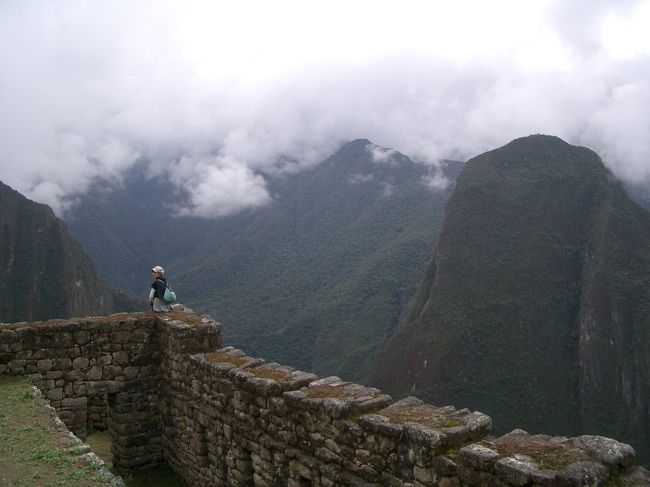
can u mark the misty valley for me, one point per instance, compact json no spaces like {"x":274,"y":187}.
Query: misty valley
{"x":516,"y":283}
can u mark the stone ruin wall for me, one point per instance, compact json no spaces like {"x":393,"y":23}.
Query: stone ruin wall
{"x":167,"y":392}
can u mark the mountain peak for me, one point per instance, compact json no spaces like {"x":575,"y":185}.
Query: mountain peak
{"x":527,"y":303}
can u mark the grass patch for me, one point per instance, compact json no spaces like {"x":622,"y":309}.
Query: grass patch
{"x":184,"y":316}
{"x":269,"y":373}
{"x":100,"y":443}
{"x":32,"y":451}
{"x":225,"y":358}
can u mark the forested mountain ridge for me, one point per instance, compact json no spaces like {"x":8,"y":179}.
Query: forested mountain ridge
{"x":44,"y":272}
{"x":535,"y":307}
{"x":316,"y":279}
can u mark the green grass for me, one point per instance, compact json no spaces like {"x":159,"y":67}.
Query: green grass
{"x":32,"y":451}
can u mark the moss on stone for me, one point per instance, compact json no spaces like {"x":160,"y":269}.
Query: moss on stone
{"x":548,"y":455}
{"x":270,"y":373}
{"x":224,"y":357}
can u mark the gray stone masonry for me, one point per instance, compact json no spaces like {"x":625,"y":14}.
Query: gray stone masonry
{"x":168,"y":393}
{"x":105,"y":372}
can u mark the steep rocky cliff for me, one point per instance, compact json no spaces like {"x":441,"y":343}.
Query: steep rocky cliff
{"x":537,"y":299}
{"x":44,"y":273}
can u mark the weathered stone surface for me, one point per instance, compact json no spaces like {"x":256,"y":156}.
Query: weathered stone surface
{"x":82,"y":337}
{"x":121,"y":358}
{"x":444,"y":466}
{"x":606,"y":450}
{"x":377,"y":423}
{"x":223,"y":418}
{"x":423,"y":475}
{"x":62,"y":363}
{"x":80,"y":363}
{"x":54,"y":374}
{"x":479,"y":457}
{"x":104,"y":360}
{"x":55,"y":394}
{"x":583,"y":473}
{"x":44,"y":365}
{"x":634,"y":477}
{"x":74,"y":402}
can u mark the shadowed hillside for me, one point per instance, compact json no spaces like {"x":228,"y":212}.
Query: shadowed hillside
{"x":537,"y":298}
{"x":44,"y":272}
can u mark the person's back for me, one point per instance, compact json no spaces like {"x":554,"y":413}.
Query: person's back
{"x":157,"y":293}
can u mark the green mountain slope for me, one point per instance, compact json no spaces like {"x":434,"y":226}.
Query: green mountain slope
{"x":44,"y":273}
{"x":317,"y":279}
{"x":534,"y":308}
{"x":129,"y":229}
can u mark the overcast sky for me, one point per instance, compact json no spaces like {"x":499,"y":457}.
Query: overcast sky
{"x":218,"y":95}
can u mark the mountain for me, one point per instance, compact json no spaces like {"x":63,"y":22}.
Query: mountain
{"x":44,"y":272}
{"x":128,"y":229}
{"x":317,"y":279}
{"x":640,"y":193}
{"x":535,"y":308}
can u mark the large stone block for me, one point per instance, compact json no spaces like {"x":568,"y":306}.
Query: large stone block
{"x":44,"y":365}
{"x":95,"y":373}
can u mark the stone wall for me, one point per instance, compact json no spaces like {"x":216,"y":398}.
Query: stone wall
{"x":105,"y":373}
{"x":168,"y":392}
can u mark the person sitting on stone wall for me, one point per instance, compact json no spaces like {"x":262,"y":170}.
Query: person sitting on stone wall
{"x":157,"y":292}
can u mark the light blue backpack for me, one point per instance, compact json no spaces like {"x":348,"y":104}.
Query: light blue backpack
{"x":170,"y":296}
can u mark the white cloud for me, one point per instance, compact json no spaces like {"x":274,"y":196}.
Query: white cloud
{"x":387,"y":190}
{"x":359,"y":178}
{"x":436,"y":180}
{"x":238,"y":91}
{"x":380,"y":154}
{"x":621,"y":127}
{"x":217,"y":186}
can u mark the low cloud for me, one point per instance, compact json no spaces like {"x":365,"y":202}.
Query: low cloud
{"x":217,"y":187}
{"x":359,"y":178}
{"x":387,"y":190}
{"x":88,"y":91}
{"x":380,"y":154}
{"x":436,"y":181}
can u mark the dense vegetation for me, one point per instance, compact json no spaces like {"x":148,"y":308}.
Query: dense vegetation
{"x":317,"y":279}
{"x":537,"y":300}
{"x":44,"y":273}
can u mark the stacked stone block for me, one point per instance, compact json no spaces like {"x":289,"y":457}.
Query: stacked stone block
{"x":248,"y":423}
{"x":167,"y":392}
{"x":103,"y":373}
